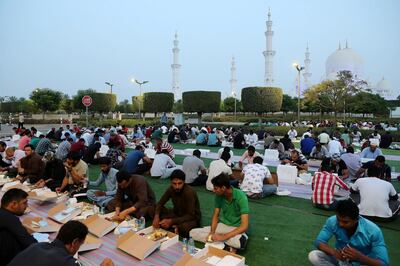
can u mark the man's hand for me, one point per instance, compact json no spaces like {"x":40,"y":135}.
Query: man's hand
{"x":99,"y":193}
{"x":118,"y":217}
{"x":156,"y":222}
{"x":166,"y":223}
{"x":351,"y":253}
{"x":218,"y":237}
{"x":338,"y":254}
{"x":107,"y":262}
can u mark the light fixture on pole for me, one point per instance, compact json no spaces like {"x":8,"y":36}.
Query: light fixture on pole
{"x":234,"y":96}
{"x":299,"y":69}
{"x":111,"y":85}
{"x":140,"y":91}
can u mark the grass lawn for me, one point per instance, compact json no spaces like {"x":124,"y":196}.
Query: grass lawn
{"x":290,"y":224}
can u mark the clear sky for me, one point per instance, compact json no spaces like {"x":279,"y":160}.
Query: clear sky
{"x":78,"y":44}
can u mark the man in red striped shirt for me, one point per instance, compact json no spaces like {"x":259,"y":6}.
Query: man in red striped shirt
{"x":323,"y":185}
{"x":163,"y":145}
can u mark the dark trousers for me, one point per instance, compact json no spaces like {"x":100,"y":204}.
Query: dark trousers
{"x":394,"y":205}
{"x":142,"y":168}
{"x":182,"y":229}
{"x":328,"y":207}
{"x":199,"y":181}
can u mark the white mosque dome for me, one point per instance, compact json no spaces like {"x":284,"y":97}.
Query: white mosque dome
{"x":344,"y":59}
{"x":384,"y":89}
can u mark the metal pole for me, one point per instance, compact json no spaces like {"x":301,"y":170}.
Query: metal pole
{"x":87,"y":123}
{"x":235,"y":107}
{"x":298,"y":99}
{"x":139,"y":99}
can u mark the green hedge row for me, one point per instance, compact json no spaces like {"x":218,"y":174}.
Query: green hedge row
{"x":262,"y":99}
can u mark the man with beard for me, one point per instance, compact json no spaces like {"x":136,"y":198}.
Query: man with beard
{"x":185,"y":214}
{"x":107,"y":176}
{"x":13,"y":236}
{"x":75,"y":179}
{"x":31,"y":167}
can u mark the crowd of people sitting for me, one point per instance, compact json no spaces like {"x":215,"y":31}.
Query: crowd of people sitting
{"x":60,"y":159}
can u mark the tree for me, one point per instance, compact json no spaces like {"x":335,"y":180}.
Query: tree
{"x":101,"y":102}
{"x":229,"y":105}
{"x":201,"y":102}
{"x":289,"y":104}
{"x":262,"y":99}
{"x":156,"y":102}
{"x":124,"y":107}
{"x":77,"y":99}
{"x":178,"y":107}
{"x":368,"y":103}
{"x":67,"y":104}
{"x":46,"y":99}
{"x":137,"y":101}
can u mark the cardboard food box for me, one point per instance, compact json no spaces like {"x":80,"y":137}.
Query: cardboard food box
{"x":4,"y":180}
{"x":41,"y":195}
{"x":137,"y":246}
{"x":40,"y":225}
{"x":90,"y":243}
{"x":314,"y":163}
{"x":165,"y":242}
{"x":15,"y":184}
{"x":99,"y":226}
{"x":62,"y":214}
{"x":210,"y":256}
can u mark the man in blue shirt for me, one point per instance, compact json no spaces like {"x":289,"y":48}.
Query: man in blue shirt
{"x":372,"y":151}
{"x":358,"y":240}
{"x":201,"y":138}
{"x":131,"y":163}
{"x":107,"y":176}
{"x":213,"y":140}
{"x":307,"y":144}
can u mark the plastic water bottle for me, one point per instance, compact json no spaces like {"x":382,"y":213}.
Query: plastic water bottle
{"x":95,"y":208}
{"x":184,"y":245}
{"x":191,"y":247}
{"x":142,"y":223}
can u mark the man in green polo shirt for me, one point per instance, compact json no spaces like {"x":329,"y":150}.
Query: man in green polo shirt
{"x":230,"y":220}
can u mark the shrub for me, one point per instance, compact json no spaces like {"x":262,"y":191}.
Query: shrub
{"x":201,"y":102}
{"x":101,"y":102}
{"x":261,"y":99}
{"x":156,"y":102}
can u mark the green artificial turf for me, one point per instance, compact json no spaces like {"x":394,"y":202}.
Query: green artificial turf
{"x":290,"y":224}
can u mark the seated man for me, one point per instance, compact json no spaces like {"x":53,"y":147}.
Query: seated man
{"x":92,"y":153}
{"x":161,"y":145}
{"x":296,"y":159}
{"x":44,"y":145}
{"x":59,"y":252}
{"x":376,"y":168}
{"x":376,"y":199}
{"x":248,"y":156}
{"x":13,"y":236}
{"x":230,"y":219}
{"x":64,"y":148}
{"x":131,"y":162}
{"x":201,"y":139}
{"x":358,"y":240}
{"x":163,"y":165}
{"x":134,"y":197}
{"x":173,"y":136}
{"x":75,"y":180}
{"x":252,"y":138}
{"x":185,"y":214}
{"x":213,"y":140}
{"x":319,"y":152}
{"x":277,"y":145}
{"x":352,"y":161}
{"x":238,"y":140}
{"x":31,"y":167}
{"x":307,"y":144}
{"x":108,"y":176}
{"x":372,"y":151}
{"x":11,"y":160}
{"x":257,"y":181}
{"x":194,"y":169}
{"x":54,"y":172}
{"x":217,"y":167}
{"x":323,"y":184}
{"x":339,"y":167}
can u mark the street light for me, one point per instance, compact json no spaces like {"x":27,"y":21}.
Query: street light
{"x":234,"y":96}
{"x":140,"y":90}
{"x":109,"y":84}
{"x":299,"y":69}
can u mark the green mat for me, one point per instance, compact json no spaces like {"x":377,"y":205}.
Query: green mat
{"x":290,"y":224}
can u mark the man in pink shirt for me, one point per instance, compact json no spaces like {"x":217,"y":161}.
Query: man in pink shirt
{"x":248,"y":156}
{"x":25,"y":139}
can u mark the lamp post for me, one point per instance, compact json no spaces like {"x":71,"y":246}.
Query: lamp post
{"x":111,"y":85}
{"x":234,"y":96}
{"x":299,"y":69}
{"x":140,"y":91}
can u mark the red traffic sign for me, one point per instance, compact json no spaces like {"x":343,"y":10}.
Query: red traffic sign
{"x":87,"y":100}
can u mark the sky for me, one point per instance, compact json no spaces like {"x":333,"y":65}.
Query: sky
{"x":69,"y":45}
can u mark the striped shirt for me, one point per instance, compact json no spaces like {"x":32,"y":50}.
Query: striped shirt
{"x":323,"y":185}
{"x":44,"y":145}
{"x":166,"y":146}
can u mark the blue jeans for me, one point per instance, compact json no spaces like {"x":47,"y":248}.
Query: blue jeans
{"x":268,"y":189}
{"x":99,"y":200}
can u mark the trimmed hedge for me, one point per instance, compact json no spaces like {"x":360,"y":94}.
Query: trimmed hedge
{"x":135,"y":103}
{"x":102,"y":102}
{"x":156,"y":102}
{"x":262,"y":99}
{"x":201,"y":101}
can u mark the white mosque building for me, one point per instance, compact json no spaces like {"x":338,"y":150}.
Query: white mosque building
{"x":348,"y":59}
